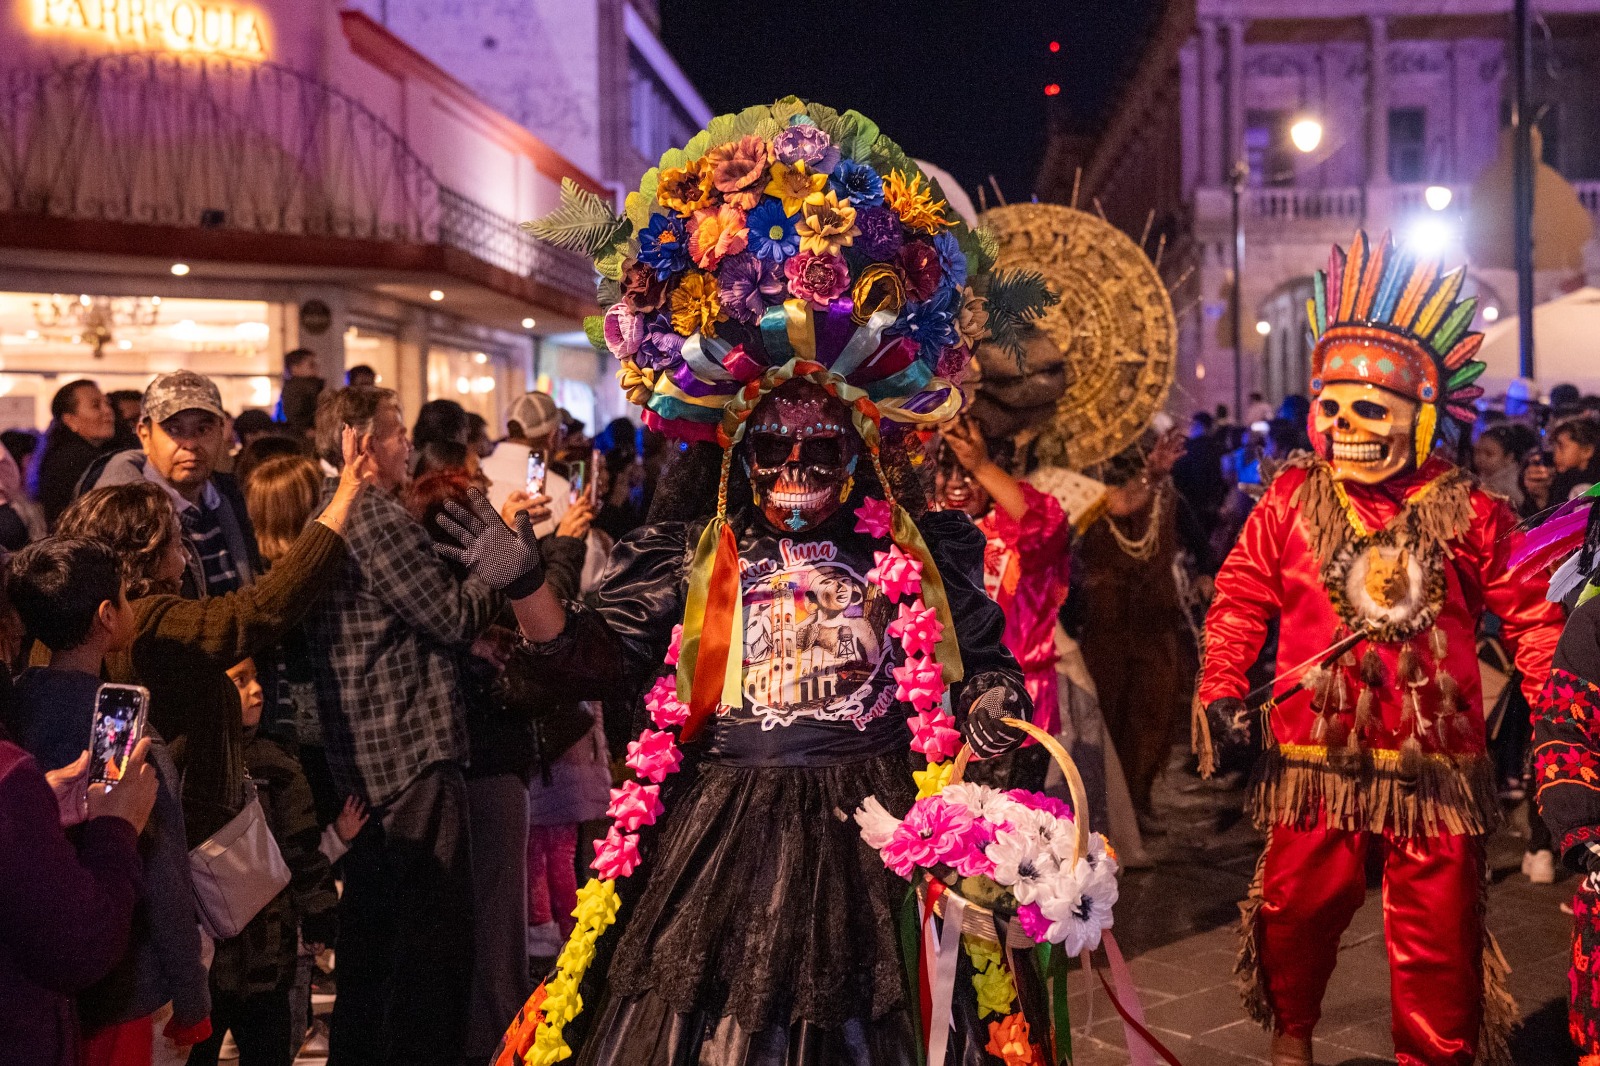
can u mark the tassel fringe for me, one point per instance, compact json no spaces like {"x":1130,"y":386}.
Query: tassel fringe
{"x":1298,"y":785}
{"x":1500,"y":1013}
{"x":1247,"y":968}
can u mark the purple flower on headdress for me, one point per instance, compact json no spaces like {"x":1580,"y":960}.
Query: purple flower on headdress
{"x":857,"y":181}
{"x":931,"y":323}
{"x":662,"y":345}
{"x":881,"y":234}
{"x":747,"y":286}
{"x":952,"y":261}
{"x":805,"y":143}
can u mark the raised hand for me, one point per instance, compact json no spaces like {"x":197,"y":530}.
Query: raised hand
{"x":505,"y":558}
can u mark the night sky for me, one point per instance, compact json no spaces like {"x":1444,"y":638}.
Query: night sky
{"x":960,"y":84}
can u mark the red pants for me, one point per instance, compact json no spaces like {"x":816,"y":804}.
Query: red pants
{"x":553,"y":875}
{"x":1313,"y":881}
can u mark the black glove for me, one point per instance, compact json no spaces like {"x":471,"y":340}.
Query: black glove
{"x":988,"y":735}
{"x":507,"y":559}
{"x":1232,"y":738}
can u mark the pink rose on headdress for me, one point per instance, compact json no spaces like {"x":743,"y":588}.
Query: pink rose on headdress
{"x":874,"y":517}
{"x":899,"y":575}
{"x":663,"y":704}
{"x":917,"y":628}
{"x":624,"y":331}
{"x":634,"y":805}
{"x":616,"y":856}
{"x":654,"y":755}
{"x":821,"y":279}
{"x":808,"y":144}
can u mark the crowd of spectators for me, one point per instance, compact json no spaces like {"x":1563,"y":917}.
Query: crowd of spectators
{"x":320,"y":656}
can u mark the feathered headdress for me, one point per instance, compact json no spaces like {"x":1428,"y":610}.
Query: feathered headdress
{"x":1381,"y":316}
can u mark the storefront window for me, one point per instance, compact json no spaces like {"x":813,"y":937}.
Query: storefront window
{"x":481,"y":381}
{"x":121,"y":342}
{"x":379,"y":349}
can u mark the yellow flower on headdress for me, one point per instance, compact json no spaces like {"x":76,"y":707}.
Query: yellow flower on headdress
{"x":879,"y":288}
{"x":931,"y":782}
{"x":696,"y":306}
{"x":995,"y":991}
{"x":685,"y":189}
{"x":792,"y":183}
{"x":913,"y":201}
{"x":826,"y":225}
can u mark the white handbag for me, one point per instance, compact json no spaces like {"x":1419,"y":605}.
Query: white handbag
{"x":237,"y":871}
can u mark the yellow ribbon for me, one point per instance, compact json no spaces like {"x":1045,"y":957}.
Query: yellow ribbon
{"x":948,"y":651}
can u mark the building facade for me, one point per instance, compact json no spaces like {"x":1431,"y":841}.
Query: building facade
{"x":203,"y":184}
{"x":1406,"y":96}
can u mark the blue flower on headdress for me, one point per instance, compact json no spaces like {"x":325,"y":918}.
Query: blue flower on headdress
{"x":664,"y":246}
{"x":952,"y":261}
{"x":772,"y":232}
{"x":858,"y":181}
{"x":931,"y":323}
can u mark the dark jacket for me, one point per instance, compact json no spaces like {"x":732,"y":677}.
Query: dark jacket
{"x":262,"y":957}
{"x":65,"y":913}
{"x":297,"y":403}
{"x":128,"y":467}
{"x":54,"y":714}
{"x":66,"y":456}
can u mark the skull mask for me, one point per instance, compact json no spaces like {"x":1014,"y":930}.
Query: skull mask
{"x":1365,"y":432}
{"x":801,"y":453}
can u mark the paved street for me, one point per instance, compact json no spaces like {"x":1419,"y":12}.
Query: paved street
{"x":1176,"y":924}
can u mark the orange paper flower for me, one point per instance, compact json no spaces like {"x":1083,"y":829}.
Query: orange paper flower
{"x":1008,"y":1042}
{"x":737,"y":169}
{"x":715,"y":233}
{"x":685,"y":189}
{"x":913,"y":201}
{"x":696,"y":306}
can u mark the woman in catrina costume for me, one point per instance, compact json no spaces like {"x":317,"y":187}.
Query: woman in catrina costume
{"x":1379,"y":558}
{"x":790,"y":297}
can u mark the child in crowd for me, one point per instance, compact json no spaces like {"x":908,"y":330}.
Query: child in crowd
{"x":253,"y":976}
{"x":70,"y":596}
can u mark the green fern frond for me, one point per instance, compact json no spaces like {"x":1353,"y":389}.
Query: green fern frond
{"x":583,"y":223}
{"x":1016,"y":299}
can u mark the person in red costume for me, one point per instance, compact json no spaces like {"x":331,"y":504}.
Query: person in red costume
{"x":1025,"y":558}
{"x":1378,"y":558}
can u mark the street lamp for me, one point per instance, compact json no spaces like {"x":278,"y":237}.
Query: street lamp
{"x":1306,"y":134}
{"x":1437,"y":197}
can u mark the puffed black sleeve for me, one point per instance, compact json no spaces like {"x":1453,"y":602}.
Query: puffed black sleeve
{"x":615,"y":647}
{"x":992,"y":680}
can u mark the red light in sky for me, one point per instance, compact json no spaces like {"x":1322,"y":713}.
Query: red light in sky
{"x":1052,"y":89}
{"x":1055,"y":46}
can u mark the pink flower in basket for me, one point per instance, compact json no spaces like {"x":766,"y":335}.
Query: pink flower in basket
{"x":634,"y":805}
{"x":897,"y":574}
{"x":931,"y":829}
{"x":653,"y":756}
{"x":917,"y":628}
{"x":617,"y":855}
{"x":969,"y":859}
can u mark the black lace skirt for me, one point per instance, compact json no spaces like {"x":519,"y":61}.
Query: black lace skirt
{"x":766,"y":933}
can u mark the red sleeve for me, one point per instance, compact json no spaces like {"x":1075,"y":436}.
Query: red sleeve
{"x":1249,"y":592}
{"x":1529,"y":623}
{"x":1040,"y":537}
{"x":65,"y":914}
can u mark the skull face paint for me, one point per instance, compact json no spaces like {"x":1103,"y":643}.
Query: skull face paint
{"x":800,"y":451}
{"x":1364,"y":432}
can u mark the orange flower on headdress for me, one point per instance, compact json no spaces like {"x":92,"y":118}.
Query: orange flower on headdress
{"x":913,"y":201}
{"x":826,"y":225}
{"x":737,"y":169}
{"x":1008,"y":1042}
{"x":715,"y":233}
{"x":696,"y":306}
{"x":879,"y":288}
{"x":685,"y":189}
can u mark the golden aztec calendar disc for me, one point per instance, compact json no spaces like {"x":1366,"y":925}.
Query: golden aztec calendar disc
{"x":1114,"y":325}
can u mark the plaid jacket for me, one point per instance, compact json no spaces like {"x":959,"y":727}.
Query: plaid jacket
{"x":384,"y":643}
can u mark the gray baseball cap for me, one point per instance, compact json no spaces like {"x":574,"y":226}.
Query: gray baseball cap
{"x":181,"y":390}
{"x":536,"y":413}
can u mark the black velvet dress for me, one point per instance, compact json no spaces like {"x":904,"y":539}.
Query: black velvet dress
{"x":760,"y":930}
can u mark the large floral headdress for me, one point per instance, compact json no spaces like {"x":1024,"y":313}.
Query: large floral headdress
{"x":789,"y":233}
{"x":1382,"y":317}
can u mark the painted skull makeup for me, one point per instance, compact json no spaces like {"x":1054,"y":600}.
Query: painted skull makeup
{"x":800,"y":451}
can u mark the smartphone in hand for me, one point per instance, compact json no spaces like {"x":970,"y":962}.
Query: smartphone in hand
{"x":119,"y":721}
{"x":578,"y":478}
{"x":537,"y":467}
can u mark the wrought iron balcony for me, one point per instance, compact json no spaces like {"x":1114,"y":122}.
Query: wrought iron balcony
{"x":220,"y":144}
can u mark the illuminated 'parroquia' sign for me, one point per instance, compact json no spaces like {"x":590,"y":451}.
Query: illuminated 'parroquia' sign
{"x":168,"y":25}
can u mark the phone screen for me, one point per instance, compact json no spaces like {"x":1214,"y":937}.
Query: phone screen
{"x":536,"y":470}
{"x":596,"y":457}
{"x":118,"y":721}
{"x":578,"y":476}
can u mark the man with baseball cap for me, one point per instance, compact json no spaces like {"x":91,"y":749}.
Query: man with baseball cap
{"x":532,"y":424}
{"x":181,"y":433}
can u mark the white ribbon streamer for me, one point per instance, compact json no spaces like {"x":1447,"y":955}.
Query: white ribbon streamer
{"x":943,"y":949}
